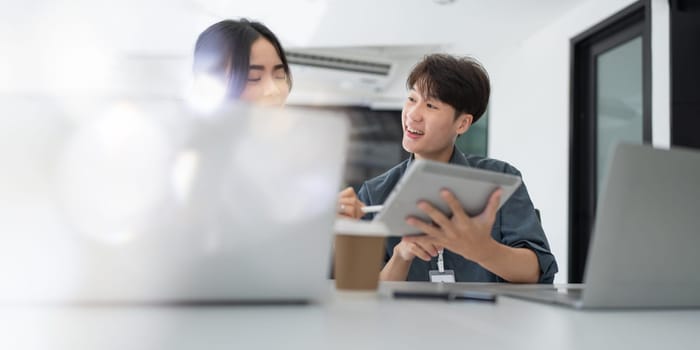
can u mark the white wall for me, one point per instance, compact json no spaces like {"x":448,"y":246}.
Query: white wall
{"x":530,"y":111}
{"x":660,"y":75}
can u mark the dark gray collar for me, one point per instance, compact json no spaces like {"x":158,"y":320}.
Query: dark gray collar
{"x":456,"y":158}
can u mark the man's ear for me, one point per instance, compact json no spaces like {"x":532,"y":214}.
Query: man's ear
{"x":465,"y":122}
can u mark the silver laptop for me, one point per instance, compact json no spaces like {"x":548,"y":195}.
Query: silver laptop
{"x":120,"y":200}
{"x":643,"y":251}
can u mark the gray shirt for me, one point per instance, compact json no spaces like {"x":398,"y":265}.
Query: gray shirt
{"x":516,"y":225}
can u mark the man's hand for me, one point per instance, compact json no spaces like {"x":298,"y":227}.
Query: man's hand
{"x":349,"y":205}
{"x":396,"y":269}
{"x":467,"y":236}
{"x":406,"y":250}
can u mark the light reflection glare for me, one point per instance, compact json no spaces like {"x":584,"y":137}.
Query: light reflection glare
{"x":184,"y":172}
{"x":36,"y":259}
{"x":84,"y":68}
{"x":206,"y":93}
{"x":110,"y":175}
{"x":269,"y":132}
{"x":269,"y":123}
{"x":70,"y":48}
{"x":5,"y":78}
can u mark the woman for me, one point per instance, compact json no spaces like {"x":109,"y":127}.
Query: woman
{"x":247,"y":58}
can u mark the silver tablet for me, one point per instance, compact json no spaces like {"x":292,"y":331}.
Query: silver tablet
{"x":423,"y":181}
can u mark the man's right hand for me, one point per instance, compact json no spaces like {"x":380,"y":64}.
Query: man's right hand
{"x":407,"y":250}
{"x":396,"y":269}
{"x":349,"y":205}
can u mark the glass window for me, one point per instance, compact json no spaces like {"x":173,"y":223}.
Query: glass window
{"x":474,"y":141}
{"x":619,"y":99}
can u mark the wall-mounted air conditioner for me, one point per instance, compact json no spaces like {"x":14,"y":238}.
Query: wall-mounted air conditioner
{"x":339,"y":73}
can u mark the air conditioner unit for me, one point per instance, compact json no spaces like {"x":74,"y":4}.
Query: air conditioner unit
{"x":339,"y":72}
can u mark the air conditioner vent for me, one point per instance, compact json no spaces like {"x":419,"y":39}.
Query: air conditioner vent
{"x":344,"y":64}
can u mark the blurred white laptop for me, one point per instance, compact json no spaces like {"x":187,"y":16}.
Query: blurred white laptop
{"x":643,"y":251}
{"x":149,"y":202}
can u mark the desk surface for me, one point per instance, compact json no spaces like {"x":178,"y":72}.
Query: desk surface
{"x":348,"y":321}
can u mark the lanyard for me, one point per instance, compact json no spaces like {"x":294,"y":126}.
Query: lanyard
{"x":440,"y":261}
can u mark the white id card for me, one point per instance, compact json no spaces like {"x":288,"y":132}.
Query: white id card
{"x":446,"y":276}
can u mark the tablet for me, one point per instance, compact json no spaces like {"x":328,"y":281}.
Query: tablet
{"x":423,"y":181}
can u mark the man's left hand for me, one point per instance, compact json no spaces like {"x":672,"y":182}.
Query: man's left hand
{"x":467,"y":236}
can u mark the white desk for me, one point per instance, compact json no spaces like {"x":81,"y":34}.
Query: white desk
{"x":348,"y":321}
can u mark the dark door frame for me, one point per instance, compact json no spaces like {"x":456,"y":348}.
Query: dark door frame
{"x":685,"y":73}
{"x":621,"y":27}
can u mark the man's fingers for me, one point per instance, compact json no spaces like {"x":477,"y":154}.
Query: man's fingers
{"x":435,"y":214}
{"x":347,"y":196}
{"x":424,"y":227}
{"x":351,"y":201}
{"x":353,"y":211}
{"x":492,"y":206}
{"x":419,"y":252}
{"x":426,"y":243}
{"x":358,"y":210}
{"x":345,"y":211}
{"x":453,"y":203}
{"x":349,"y":204}
{"x":348,"y":192}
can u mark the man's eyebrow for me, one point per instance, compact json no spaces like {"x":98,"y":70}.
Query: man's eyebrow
{"x":430,"y":97}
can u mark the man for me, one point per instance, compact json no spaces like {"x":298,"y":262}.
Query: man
{"x":446,"y":96}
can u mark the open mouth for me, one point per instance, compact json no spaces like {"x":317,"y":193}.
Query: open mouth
{"x":415,"y":132}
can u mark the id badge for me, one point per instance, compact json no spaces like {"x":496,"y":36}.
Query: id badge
{"x":446,"y":276}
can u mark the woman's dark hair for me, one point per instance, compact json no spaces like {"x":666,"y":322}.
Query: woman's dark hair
{"x":461,"y":82}
{"x":223,"y":50}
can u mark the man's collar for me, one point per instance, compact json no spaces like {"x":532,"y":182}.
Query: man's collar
{"x":456,"y":158}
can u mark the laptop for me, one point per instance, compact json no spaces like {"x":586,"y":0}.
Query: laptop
{"x":143,"y":201}
{"x":643,"y":250}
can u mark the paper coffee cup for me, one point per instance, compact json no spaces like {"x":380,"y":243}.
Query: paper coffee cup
{"x":358,"y":261}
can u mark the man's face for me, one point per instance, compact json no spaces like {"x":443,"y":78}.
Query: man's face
{"x":430,"y":127}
